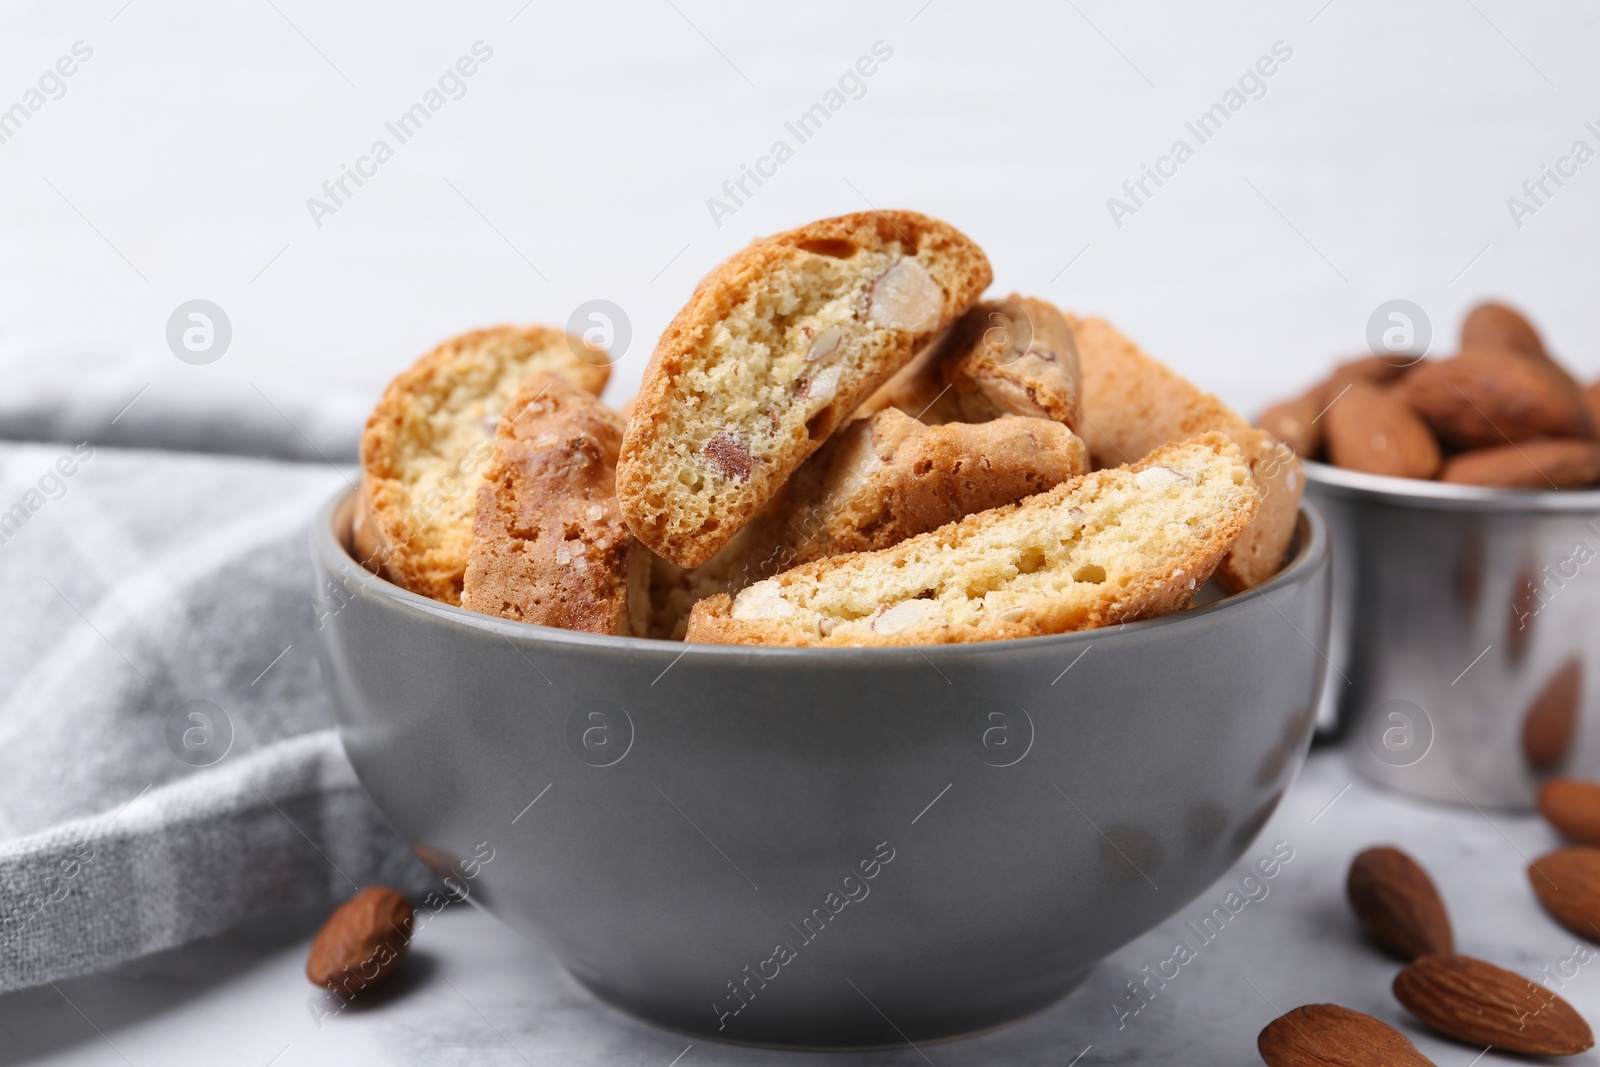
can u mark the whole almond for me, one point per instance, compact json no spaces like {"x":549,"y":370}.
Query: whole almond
{"x":1572,"y":806}
{"x":1537,"y":463}
{"x":1379,"y":370}
{"x":1327,"y":1035}
{"x":1567,"y":883}
{"x":1294,"y":422}
{"x":1482,"y":1004}
{"x":1490,"y":396}
{"x":1396,"y":901}
{"x":1370,"y":428}
{"x":1491,"y":325}
{"x":1498,"y":326}
{"x":362,"y":942}
{"x":1551,"y":721}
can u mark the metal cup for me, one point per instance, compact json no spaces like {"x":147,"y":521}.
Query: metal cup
{"x":1466,"y":633}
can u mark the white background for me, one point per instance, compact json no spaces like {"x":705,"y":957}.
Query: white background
{"x":1376,"y":166}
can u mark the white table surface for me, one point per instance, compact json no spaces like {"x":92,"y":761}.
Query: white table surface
{"x":473,"y":993}
{"x":577,"y":166}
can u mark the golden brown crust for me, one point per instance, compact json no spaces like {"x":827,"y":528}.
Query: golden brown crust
{"x":1015,"y":356}
{"x":1008,"y":572}
{"x":429,"y":438}
{"x":549,"y":545}
{"x":686,"y":485}
{"x":1132,"y":403}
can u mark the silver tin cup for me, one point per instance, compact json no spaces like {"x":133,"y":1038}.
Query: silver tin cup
{"x":826,"y":847}
{"x":1466,"y":633}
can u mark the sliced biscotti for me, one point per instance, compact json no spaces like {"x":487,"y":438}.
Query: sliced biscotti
{"x":875,"y":483}
{"x":772,"y":352}
{"x":888,"y":477}
{"x":549,"y":545}
{"x":1132,"y":403}
{"x":1108,"y":547}
{"x":1015,"y":356}
{"x":429,"y":439}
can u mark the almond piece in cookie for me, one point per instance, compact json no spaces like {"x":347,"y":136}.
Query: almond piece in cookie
{"x":770,"y":355}
{"x":1371,"y":428}
{"x":881,"y":480}
{"x":1488,"y":396}
{"x":1538,"y":463}
{"x":549,"y":545}
{"x":1004,"y":357}
{"x":429,"y":440}
{"x":1133,"y":404}
{"x":1107,"y":547}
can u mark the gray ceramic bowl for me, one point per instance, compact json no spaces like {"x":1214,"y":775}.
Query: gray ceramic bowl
{"x":1465,"y":638}
{"x":826,"y":847}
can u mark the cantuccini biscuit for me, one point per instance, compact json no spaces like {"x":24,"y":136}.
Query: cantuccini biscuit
{"x":430,"y":438}
{"x":772,"y":352}
{"x":1132,"y":403}
{"x":549,"y":545}
{"x":1015,"y":356}
{"x":875,"y":483}
{"x":1107,"y":547}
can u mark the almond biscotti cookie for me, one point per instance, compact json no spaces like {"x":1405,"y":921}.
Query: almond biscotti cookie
{"x":1015,"y":356}
{"x":1132,"y":403}
{"x":549,"y":545}
{"x":1108,"y":547}
{"x":875,"y":483}
{"x":429,"y":439}
{"x":772,"y":352}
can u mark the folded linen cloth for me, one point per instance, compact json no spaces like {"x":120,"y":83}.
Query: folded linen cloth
{"x":168,"y":763}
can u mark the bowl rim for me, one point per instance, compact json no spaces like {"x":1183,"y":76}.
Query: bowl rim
{"x":1447,"y":496}
{"x":1311,"y":553}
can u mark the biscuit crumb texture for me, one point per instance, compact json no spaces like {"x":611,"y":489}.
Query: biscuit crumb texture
{"x":1111,"y":546}
{"x":875,"y":483}
{"x":1132,"y":403}
{"x":430,"y":438}
{"x":775,"y":348}
{"x":549,"y":545}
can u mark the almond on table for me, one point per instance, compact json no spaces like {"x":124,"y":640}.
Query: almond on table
{"x":1396,"y":901}
{"x":1567,"y":883}
{"x":1328,"y":1035}
{"x":362,"y":942}
{"x":1481,"y":1004}
{"x":1572,"y":806}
